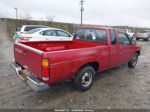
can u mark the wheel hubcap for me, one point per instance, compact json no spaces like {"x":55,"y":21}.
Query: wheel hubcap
{"x":86,"y":79}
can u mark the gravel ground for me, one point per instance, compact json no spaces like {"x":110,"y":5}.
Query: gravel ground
{"x":118,"y":88}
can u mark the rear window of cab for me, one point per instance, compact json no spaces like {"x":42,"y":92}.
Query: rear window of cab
{"x":91,"y":34}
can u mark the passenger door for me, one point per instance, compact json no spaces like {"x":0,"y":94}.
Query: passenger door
{"x":125,"y":48}
{"x":114,"y":49}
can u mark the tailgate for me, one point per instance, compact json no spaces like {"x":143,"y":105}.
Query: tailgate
{"x":29,"y":58}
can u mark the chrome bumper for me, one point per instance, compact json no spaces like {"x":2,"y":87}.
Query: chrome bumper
{"x":32,"y":80}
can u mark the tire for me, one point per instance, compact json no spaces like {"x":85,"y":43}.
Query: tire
{"x":84,"y":78}
{"x":147,"y":39}
{"x":132,"y":63}
{"x":137,"y":39}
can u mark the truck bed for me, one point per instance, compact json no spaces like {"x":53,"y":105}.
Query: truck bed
{"x":61,"y":45}
{"x":61,"y":54}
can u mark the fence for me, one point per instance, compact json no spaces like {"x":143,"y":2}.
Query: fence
{"x":8,"y":26}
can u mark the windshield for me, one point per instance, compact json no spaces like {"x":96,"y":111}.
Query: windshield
{"x":33,"y":31}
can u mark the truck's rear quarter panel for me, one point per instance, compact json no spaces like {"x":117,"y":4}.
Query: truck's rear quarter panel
{"x":64,"y":64}
{"x":28,"y":59}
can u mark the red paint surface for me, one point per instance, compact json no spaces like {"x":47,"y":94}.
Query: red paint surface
{"x":66,"y":57}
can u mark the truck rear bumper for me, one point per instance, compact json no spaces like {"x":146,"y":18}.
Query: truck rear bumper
{"x":32,"y":80}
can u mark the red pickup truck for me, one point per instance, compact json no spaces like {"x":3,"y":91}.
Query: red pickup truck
{"x":93,"y":49}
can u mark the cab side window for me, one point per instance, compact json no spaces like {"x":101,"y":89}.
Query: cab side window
{"x":123,"y":39}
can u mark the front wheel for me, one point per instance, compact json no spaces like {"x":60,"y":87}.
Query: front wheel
{"x":132,"y":63}
{"x":147,"y":39}
{"x":85,"y":78}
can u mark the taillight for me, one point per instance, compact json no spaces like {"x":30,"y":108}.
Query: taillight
{"x":21,"y":32}
{"x":25,"y":38}
{"x":45,"y":69}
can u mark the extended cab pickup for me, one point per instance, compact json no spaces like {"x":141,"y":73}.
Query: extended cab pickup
{"x":93,"y":49}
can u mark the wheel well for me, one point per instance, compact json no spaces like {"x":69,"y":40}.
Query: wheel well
{"x":95,"y":65}
{"x":138,"y":52}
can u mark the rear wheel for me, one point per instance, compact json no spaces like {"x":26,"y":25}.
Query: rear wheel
{"x":132,"y":63}
{"x":85,"y":78}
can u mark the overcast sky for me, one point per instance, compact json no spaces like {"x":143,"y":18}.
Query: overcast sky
{"x":101,"y":12}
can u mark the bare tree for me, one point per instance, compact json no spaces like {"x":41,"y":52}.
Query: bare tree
{"x":50,"y":18}
{"x":27,"y":16}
